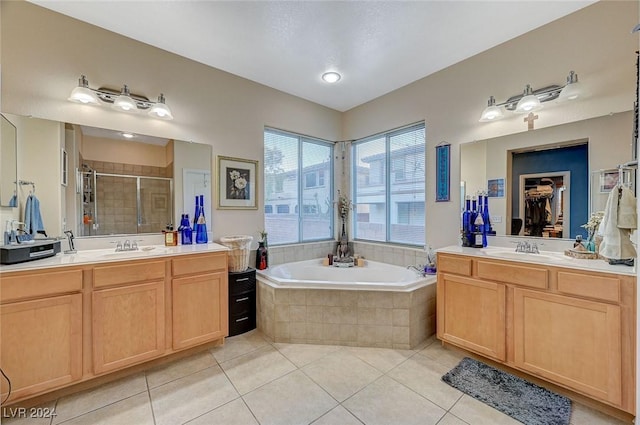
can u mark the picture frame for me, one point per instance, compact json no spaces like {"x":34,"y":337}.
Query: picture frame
{"x":443,"y":170}
{"x":608,"y":180}
{"x":495,"y":188}
{"x":237,"y":183}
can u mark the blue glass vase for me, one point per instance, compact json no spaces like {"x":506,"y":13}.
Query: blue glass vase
{"x":201,"y":229}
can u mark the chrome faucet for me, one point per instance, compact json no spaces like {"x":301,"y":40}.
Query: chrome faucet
{"x":127,"y":245}
{"x":418,"y":269}
{"x":118,"y":246}
{"x":72,"y":248}
{"x":526,"y":247}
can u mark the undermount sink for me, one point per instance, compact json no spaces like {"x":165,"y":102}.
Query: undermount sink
{"x":525,"y":256}
{"x":111,"y":254}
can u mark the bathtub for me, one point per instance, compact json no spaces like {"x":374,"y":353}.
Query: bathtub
{"x":378,"y":305}
{"x":311,"y":274}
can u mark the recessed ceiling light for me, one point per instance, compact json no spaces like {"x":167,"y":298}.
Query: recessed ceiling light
{"x":128,"y":135}
{"x":331,"y":77}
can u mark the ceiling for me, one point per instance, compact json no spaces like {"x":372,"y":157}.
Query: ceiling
{"x":377,"y":46}
{"x":103,"y":133}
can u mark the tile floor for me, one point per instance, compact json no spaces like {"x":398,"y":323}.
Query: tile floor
{"x":250,"y":381}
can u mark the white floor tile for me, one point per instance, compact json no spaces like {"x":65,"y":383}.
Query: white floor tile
{"x":583,"y":415}
{"x":424,"y":376}
{"x":238,"y":345}
{"x":303,"y":354}
{"x":187,"y":398}
{"x":233,"y":413}
{"x":293,"y":399}
{"x":387,"y":402}
{"x":179,"y":368}
{"x":252,"y":370}
{"x":80,"y":403}
{"x":341,"y":374}
{"x":444,"y":355}
{"x":132,"y":410}
{"x":449,"y":419}
{"x":383,"y":359}
{"x":338,"y":416}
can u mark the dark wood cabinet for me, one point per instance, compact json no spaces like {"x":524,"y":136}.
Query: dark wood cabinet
{"x":242,"y":301}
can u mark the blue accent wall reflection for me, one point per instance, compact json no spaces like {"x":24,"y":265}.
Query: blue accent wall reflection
{"x":574,"y":159}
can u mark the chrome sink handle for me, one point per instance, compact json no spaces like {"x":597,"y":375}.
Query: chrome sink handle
{"x":118,"y":246}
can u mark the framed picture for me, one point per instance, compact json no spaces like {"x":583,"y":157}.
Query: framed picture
{"x":64,"y":169}
{"x":608,"y":180}
{"x":442,"y":172}
{"x":495,"y":188}
{"x":237,"y":183}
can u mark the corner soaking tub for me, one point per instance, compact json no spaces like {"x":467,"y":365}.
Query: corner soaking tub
{"x":378,"y":305}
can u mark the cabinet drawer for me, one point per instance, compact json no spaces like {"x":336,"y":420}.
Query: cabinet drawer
{"x":242,"y":304}
{"x":138,"y":271}
{"x":33,"y":285}
{"x":532,"y":277}
{"x":455,"y":265}
{"x":592,"y":286}
{"x":194,"y":264}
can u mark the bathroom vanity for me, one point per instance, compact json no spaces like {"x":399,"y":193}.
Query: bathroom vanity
{"x":567,"y":321}
{"x":73,"y":318}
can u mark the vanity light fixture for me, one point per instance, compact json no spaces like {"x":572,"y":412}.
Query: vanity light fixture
{"x":122,"y":100}
{"x":331,"y":77}
{"x":83,"y":94}
{"x":531,"y":100}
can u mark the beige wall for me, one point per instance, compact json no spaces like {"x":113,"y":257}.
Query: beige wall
{"x":210,"y":106}
{"x":596,"y":42}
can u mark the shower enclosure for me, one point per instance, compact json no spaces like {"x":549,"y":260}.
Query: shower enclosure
{"x":115,"y":204}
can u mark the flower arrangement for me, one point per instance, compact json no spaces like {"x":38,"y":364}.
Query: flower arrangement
{"x":594,"y":222}
{"x":344,"y":205}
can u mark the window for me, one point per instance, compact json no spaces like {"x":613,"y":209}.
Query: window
{"x":298,"y":180}
{"x":390,"y":204}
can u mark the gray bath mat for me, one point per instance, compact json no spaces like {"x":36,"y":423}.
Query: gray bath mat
{"x":520,"y":399}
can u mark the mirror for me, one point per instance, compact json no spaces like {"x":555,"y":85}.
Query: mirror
{"x":114,"y":185}
{"x":8,"y":164}
{"x":585,"y":148}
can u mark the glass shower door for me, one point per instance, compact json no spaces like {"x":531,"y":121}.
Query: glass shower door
{"x":115,"y":204}
{"x":156,"y":200}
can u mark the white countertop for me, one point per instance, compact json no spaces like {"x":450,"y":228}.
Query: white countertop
{"x":92,"y":256}
{"x":551,"y":258}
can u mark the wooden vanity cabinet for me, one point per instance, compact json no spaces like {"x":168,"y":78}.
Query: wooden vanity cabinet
{"x":571,"y":327}
{"x":128,"y":314}
{"x":199,"y":291}
{"x":41,"y":329}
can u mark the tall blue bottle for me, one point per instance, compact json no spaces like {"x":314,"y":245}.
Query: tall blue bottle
{"x":466,"y":225}
{"x":186,"y":231}
{"x":482,"y":209}
{"x":472,"y":220}
{"x":201,"y":231}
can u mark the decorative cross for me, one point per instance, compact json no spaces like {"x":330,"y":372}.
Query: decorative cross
{"x":530,"y":118}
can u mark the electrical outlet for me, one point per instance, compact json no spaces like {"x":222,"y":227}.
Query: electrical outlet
{"x":496,"y":218}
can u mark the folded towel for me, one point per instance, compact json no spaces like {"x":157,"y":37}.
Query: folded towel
{"x":616,"y":242}
{"x":32,"y":217}
{"x":627,"y":214}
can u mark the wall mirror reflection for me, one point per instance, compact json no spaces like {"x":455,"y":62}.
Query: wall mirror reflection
{"x":8,"y":163}
{"x":567,"y":158}
{"x":124,"y":184}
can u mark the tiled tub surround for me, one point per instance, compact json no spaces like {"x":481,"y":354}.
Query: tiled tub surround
{"x":386,"y":318}
{"x":390,"y":254}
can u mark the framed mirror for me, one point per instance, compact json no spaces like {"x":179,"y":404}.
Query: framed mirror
{"x":8,"y":164}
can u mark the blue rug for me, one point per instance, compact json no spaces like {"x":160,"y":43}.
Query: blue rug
{"x":520,"y":399}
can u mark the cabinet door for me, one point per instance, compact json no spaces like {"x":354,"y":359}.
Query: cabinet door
{"x":41,"y":344}
{"x":200,"y":309}
{"x":573,"y":342}
{"x":128,"y":325}
{"x":471,"y":314}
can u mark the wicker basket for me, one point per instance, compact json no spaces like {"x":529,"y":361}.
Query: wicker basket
{"x":239,"y":254}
